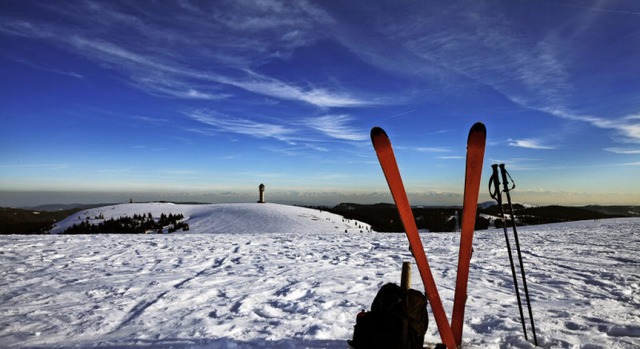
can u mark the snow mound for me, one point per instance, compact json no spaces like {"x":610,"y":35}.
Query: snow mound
{"x":226,"y":218}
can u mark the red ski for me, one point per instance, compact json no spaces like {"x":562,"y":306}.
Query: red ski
{"x":473,"y":173}
{"x":387,"y":160}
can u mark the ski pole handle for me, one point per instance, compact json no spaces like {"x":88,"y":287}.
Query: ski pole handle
{"x":495,"y":180}
{"x":505,"y":182}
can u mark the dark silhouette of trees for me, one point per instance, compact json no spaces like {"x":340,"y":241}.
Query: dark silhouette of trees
{"x":138,"y":224}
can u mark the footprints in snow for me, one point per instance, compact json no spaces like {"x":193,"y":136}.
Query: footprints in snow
{"x":143,"y":305}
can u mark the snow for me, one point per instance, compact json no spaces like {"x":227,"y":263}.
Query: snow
{"x":227,"y":218}
{"x":301,"y":281}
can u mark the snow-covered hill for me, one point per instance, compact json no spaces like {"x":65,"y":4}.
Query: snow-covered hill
{"x":227,"y":218}
{"x":302,"y":287}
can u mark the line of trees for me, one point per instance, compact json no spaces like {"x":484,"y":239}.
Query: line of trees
{"x":138,"y":224}
{"x":385,"y":218}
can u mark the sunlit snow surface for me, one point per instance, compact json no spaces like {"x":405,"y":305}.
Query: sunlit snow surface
{"x":301,"y":288}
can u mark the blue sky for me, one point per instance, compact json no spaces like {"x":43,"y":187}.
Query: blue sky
{"x":203,"y":101}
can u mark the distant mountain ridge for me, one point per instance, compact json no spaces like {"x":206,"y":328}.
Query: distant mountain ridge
{"x":384,"y":216}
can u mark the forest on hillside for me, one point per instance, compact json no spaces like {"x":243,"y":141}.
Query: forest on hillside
{"x":384,"y":217}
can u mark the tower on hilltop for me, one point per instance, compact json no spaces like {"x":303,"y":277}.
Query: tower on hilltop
{"x":261,"y":193}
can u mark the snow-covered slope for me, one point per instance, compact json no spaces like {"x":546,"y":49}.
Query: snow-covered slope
{"x":303,"y":289}
{"x":227,"y":218}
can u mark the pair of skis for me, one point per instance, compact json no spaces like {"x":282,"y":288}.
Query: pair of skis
{"x":451,"y":334}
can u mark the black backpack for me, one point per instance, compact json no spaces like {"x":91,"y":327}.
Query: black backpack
{"x":398,"y":320}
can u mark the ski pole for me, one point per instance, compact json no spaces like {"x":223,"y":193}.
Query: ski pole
{"x":496,"y":194}
{"x":507,"y":189}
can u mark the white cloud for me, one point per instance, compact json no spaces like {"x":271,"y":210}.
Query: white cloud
{"x":298,"y":140}
{"x":272,"y":87}
{"x":484,"y":49}
{"x":432,"y":149}
{"x":529,"y":143}
{"x":48,"y":69}
{"x":235,"y":41}
{"x":176,"y":80}
{"x":178,"y":172}
{"x":627,"y":127}
{"x":230,"y":124}
{"x":532,"y":71}
{"x":37,"y":166}
{"x":425,"y":149}
{"x":623,"y":150}
{"x":177,"y":87}
{"x":336,"y":126}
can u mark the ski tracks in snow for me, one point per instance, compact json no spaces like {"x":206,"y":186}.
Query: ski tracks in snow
{"x":139,"y":308}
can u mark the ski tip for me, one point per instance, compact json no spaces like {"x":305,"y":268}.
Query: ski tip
{"x":377,"y":131}
{"x":478,"y":127}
